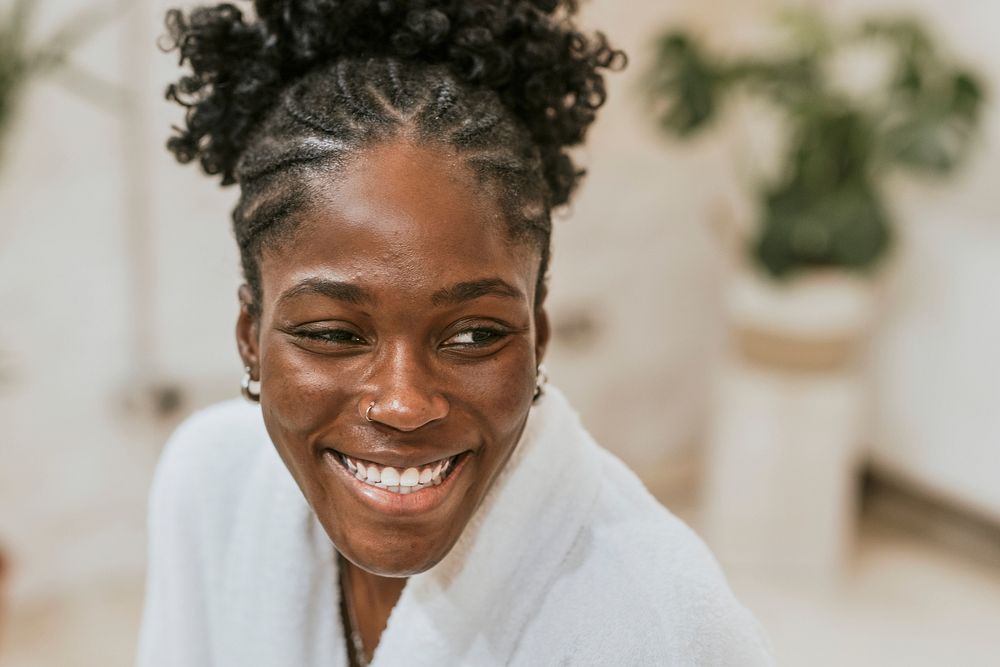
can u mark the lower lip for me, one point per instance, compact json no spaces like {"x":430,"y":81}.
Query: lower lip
{"x":397,"y":504}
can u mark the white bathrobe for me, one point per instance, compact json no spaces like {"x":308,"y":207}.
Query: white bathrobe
{"x":568,"y":561}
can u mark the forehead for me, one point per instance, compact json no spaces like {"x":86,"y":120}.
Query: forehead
{"x":400,"y":211}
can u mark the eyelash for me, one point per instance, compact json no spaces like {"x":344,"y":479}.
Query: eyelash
{"x":327,"y":336}
{"x":494,"y":333}
{"x":342,"y":336}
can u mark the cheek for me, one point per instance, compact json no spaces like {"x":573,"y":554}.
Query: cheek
{"x":298,"y":394}
{"x":497,"y":393}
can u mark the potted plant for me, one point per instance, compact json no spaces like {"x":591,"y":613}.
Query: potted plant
{"x":804,"y":295}
{"x":790,"y":406}
{"x":21,"y":60}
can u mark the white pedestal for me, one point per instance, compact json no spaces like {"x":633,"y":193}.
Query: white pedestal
{"x":781,"y":475}
{"x":780,"y":486}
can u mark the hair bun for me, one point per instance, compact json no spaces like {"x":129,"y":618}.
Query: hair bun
{"x":544,"y":70}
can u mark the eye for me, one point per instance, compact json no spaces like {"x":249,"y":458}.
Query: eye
{"x":475,"y":337}
{"x":332,"y":336}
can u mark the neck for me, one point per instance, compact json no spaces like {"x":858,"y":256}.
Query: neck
{"x":371,"y":597}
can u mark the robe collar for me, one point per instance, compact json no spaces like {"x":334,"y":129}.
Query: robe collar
{"x":476,"y":602}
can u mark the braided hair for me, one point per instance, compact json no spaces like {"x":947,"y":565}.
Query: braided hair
{"x":302,"y":86}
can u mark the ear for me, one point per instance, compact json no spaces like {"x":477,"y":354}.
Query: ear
{"x":542,"y":333}
{"x":247,"y":330}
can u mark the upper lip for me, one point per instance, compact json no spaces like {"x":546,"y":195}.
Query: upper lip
{"x":397,"y":459}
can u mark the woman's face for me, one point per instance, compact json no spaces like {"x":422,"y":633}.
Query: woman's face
{"x":399,"y":287}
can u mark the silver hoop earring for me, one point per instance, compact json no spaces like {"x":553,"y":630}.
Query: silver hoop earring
{"x":370,"y":406}
{"x":541,"y":379}
{"x":249,"y":387}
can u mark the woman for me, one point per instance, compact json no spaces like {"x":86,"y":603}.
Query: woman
{"x":407,"y":491}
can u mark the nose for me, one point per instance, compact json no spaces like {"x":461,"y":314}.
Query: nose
{"x":403,"y":394}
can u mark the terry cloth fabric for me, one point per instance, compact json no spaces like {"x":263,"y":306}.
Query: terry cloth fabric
{"x":568,"y":561}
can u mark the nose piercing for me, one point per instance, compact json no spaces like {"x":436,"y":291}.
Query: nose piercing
{"x":370,"y":406}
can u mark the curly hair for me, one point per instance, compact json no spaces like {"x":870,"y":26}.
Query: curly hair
{"x":305,"y":84}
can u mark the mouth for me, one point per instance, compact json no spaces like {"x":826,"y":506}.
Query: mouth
{"x":399,"y":492}
{"x":399,"y":480}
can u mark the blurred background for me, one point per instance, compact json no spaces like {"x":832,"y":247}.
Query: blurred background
{"x":775,"y":297}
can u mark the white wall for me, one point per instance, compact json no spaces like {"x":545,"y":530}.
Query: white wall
{"x":937,"y":362}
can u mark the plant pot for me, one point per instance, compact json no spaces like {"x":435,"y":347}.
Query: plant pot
{"x":816,"y":322}
{"x":787,"y":423}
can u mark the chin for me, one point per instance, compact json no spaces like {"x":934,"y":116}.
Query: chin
{"x":399,"y":557}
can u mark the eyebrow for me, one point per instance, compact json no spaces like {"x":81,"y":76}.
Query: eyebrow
{"x":351,"y":293}
{"x":473,"y":289}
{"x":332,"y":289}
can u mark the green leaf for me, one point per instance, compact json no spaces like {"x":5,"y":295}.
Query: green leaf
{"x":682,"y":85}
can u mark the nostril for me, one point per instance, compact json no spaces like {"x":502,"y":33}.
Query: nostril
{"x":406,"y":414}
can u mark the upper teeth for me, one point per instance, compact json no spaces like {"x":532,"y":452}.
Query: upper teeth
{"x":391,"y":479}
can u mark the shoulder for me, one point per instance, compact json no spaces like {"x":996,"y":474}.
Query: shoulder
{"x":216,"y":438}
{"x":205,"y":461}
{"x":639,"y":574}
{"x":213,"y":433}
{"x":192,"y":501}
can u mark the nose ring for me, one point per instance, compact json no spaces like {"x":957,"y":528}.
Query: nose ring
{"x":370,"y":406}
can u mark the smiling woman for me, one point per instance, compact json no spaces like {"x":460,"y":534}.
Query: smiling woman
{"x":407,"y":491}
{"x":397,"y":329}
